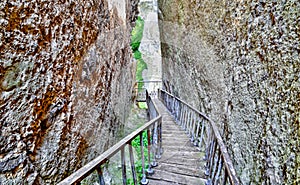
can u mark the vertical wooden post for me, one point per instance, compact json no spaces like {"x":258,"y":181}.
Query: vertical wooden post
{"x":225,"y":177}
{"x":144,"y":179}
{"x":149,"y":170}
{"x":158,"y":128}
{"x":184,"y":117}
{"x":132,"y":164}
{"x":181,"y":114}
{"x":100,"y":175}
{"x":188,"y":121}
{"x":216,"y":160}
{"x":220,"y":165}
{"x":123,"y":166}
{"x":201,"y":135}
{"x":173,"y":108}
{"x":154,"y":145}
{"x":196,"y":141}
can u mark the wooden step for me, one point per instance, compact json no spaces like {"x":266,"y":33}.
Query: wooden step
{"x":176,"y":178}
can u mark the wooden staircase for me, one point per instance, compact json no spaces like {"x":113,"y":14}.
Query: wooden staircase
{"x":185,"y":142}
{"x":181,"y":161}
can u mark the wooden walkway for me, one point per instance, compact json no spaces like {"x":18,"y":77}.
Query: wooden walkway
{"x":181,"y":162}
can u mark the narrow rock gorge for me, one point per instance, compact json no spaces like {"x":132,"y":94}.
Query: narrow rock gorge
{"x":66,"y":80}
{"x":238,"y":62}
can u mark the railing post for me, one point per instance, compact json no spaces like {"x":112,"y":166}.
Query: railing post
{"x":173,"y":107}
{"x":183,"y":117}
{"x":144,"y":179}
{"x":216,"y":166}
{"x":193,"y":128}
{"x":202,"y":134}
{"x":132,"y":163}
{"x":225,"y":178}
{"x":100,"y":175}
{"x":188,"y":122}
{"x":219,"y":171}
{"x":166,"y":100}
{"x":190,"y":129}
{"x":181,"y":114}
{"x":154,"y":145}
{"x":211,"y":158}
{"x":176,"y":110}
{"x":159,"y":140}
{"x":196,"y":141}
{"x":160,"y":136}
{"x":149,"y":170}
{"x":208,"y":142}
{"x":123,"y":166}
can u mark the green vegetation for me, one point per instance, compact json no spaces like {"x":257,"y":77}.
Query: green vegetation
{"x":143,"y":105}
{"x":136,"y":37}
{"x":141,"y":66}
{"x":137,"y":34}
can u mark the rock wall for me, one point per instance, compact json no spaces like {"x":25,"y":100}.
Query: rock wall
{"x":238,"y":61}
{"x":150,"y":44}
{"x":66,"y":77}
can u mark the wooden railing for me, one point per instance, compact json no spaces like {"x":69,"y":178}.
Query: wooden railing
{"x":203,"y":132}
{"x":150,"y":85}
{"x":153,"y":129}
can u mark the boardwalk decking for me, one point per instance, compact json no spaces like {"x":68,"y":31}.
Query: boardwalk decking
{"x":181,"y":162}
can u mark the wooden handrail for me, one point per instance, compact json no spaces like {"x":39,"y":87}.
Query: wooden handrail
{"x":222,"y":147}
{"x":86,"y":170}
{"x":149,"y":81}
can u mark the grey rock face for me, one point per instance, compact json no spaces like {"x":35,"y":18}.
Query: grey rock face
{"x":150,"y":44}
{"x":66,"y":77}
{"x":239,"y":63}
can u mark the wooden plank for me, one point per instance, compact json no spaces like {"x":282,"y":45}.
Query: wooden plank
{"x":184,"y":161}
{"x":161,"y":182}
{"x":179,"y":147}
{"x":177,"y":178}
{"x":183,"y":154}
{"x":181,"y":169}
{"x":175,"y":135}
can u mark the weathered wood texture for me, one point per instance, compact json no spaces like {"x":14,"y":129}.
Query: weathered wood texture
{"x":181,"y":162}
